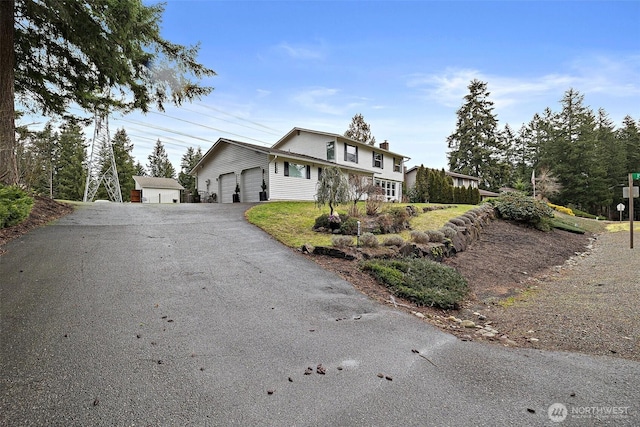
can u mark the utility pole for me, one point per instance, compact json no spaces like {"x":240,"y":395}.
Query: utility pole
{"x":98,"y":159}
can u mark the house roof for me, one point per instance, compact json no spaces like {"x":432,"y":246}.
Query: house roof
{"x":334,"y":136}
{"x":274,"y":152}
{"x":153,"y":182}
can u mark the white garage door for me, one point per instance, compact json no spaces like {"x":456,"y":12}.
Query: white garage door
{"x":227,"y":187}
{"x":251,"y":182}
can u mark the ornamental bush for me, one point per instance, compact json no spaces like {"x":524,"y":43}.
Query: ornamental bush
{"x":419,"y":237}
{"x":368,"y":240}
{"x":519,"y":207}
{"x":393,"y":241}
{"x":420,"y":280}
{"x":15,"y":206}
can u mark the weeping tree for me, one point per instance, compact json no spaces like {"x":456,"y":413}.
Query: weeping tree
{"x":96,"y":54}
{"x":332,"y":188}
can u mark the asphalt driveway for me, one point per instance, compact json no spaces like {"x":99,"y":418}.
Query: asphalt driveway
{"x":186,"y":315}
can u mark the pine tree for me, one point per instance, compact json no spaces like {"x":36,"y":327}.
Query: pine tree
{"x":610,"y":155}
{"x":422,"y":185}
{"x":70,"y":169}
{"x":122,"y":153}
{"x":159,"y":165}
{"x":55,"y":53}
{"x":475,"y":148}
{"x":629,"y":137}
{"x":360,"y":130}
{"x":188,"y":162}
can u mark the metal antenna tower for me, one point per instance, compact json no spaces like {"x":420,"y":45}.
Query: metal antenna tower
{"x":98,"y":160}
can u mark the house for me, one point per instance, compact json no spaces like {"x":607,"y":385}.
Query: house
{"x":157,"y":190}
{"x":458,"y":180}
{"x":290,"y":169}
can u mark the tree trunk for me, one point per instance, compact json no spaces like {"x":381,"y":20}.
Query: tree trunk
{"x":8,"y":163}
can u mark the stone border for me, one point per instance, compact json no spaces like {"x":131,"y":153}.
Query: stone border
{"x":464,"y":230}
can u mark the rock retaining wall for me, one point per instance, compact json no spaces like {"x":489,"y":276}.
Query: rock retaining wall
{"x":461,"y":231}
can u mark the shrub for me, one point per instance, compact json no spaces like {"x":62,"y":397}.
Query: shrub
{"x":562,"y":209}
{"x":435,"y":236}
{"x":342,"y":241}
{"x":15,"y":206}
{"x":449,"y":232}
{"x":519,"y":207}
{"x":349,"y":226}
{"x":322,"y":221}
{"x":582,"y":214}
{"x":420,"y":280}
{"x":419,"y":237}
{"x":457,"y":221}
{"x":375,"y":199}
{"x":368,"y":240}
{"x":393,"y":241}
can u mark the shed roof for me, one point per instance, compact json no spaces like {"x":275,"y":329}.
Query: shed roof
{"x":153,"y":182}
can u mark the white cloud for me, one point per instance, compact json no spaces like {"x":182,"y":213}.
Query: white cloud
{"x":327,"y":101}
{"x":301,"y":51}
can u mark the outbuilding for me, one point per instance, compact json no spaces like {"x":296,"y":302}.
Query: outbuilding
{"x":158,"y":190}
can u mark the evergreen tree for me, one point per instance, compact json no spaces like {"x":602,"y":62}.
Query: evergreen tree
{"x":188,"y":162}
{"x":629,"y":136}
{"x":37,"y":154}
{"x":360,"y":130}
{"x":575,"y":165}
{"x":610,"y":155}
{"x":422,"y":185}
{"x":139,"y":169}
{"x":70,"y":169}
{"x":59,"y":52}
{"x":122,"y":154}
{"x":159,"y":165}
{"x":475,"y":148}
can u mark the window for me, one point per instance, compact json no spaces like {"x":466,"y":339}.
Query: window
{"x":297,"y":171}
{"x":388,"y":187}
{"x":319,"y":174}
{"x":331,"y":150}
{"x":350,"y":153}
{"x":378,"y":160}
{"x":396,"y":164}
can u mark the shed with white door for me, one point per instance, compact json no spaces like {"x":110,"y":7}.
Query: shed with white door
{"x":158,"y":190}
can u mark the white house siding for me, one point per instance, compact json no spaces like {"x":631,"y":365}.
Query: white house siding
{"x":291,"y":188}
{"x":228,"y":159}
{"x":160,"y":195}
{"x":311,"y":144}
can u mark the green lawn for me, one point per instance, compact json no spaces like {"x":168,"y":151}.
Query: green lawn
{"x":291,"y":222}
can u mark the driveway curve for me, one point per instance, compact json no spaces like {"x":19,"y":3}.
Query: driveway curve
{"x":186,"y":315}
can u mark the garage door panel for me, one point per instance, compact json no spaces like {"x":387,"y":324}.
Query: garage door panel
{"x":251,"y":182}
{"x":227,"y":187}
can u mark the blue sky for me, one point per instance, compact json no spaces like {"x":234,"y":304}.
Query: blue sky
{"x":404,"y":65}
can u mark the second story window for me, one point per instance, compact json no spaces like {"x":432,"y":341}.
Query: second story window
{"x":331,"y":150}
{"x":396,"y":164}
{"x":350,"y":153}
{"x":377,"y":160}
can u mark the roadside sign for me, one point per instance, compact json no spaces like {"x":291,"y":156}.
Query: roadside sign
{"x":620,"y":207}
{"x":635,"y":175}
{"x":625,"y":192}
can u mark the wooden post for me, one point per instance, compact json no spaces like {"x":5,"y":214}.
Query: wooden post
{"x":630,"y":210}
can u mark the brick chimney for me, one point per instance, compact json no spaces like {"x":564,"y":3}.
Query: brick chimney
{"x":384,"y":145}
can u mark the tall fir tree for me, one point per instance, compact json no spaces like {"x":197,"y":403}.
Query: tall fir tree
{"x":70,"y":170}
{"x":55,"y":53}
{"x":187,"y":163}
{"x":159,"y":165}
{"x":122,"y":153}
{"x":629,"y":137}
{"x":360,"y":130}
{"x":475,"y":147}
{"x":611,"y":156}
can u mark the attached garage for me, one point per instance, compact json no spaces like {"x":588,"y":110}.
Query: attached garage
{"x":250,"y":184}
{"x":227,"y":183}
